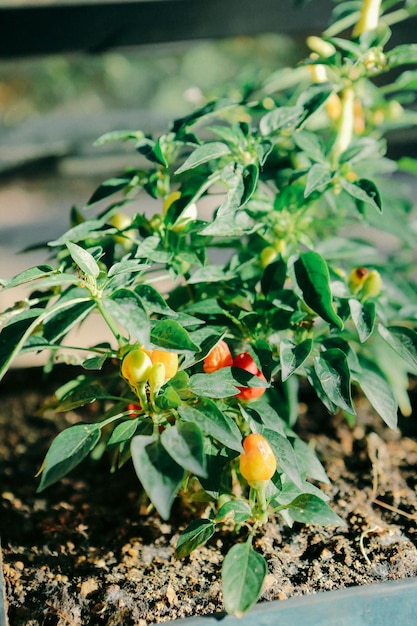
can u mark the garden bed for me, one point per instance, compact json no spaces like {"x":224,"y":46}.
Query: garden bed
{"x":89,"y":551}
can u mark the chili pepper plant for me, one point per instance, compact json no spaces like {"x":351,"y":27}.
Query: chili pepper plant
{"x":254,"y":275}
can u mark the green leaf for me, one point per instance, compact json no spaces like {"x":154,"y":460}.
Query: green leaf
{"x":109,"y":187}
{"x":123,"y":432}
{"x":365,"y":191}
{"x":27,"y":276}
{"x":82,"y":394}
{"x":153,"y":301}
{"x":310,"y":143}
{"x":168,"y":399}
{"x":267,"y":414}
{"x":333,"y":372}
{"x":15,"y":335}
{"x":67,"y":450}
{"x":184,"y":443}
{"x":310,"y":509}
{"x":170,"y":335}
{"x":363,"y":315}
{"x":312,"y":277}
{"x":95,"y":362}
{"x":402,"y":55}
{"x":159,"y":474}
{"x":213,"y":422}
{"x":80,"y":232}
{"x":274,"y":277}
{"x":213,"y":385}
{"x":126,"y":308}
{"x":119,"y":135}
{"x":203,"y":154}
{"x":85,"y":261}
{"x":280,"y":118}
{"x":194,"y":536}
{"x":284,"y":454}
{"x":308,"y":462}
{"x":238,"y":510}
{"x":211,"y":274}
{"x":313,"y":98}
{"x":293,"y":356}
{"x":243,"y":574}
{"x":64,"y":320}
{"x":403,"y":340}
{"x":379,"y":394}
{"x":219,"y":384}
{"x":318,"y":178}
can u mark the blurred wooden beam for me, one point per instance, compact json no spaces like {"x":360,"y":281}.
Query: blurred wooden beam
{"x":30,"y":28}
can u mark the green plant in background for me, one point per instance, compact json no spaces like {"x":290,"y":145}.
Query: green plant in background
{"x":240,"y":284}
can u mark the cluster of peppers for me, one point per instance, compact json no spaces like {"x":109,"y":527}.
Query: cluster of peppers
{"x":148,"y":370}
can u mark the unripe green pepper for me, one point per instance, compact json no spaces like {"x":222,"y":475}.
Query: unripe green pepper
{"x":156,"y":377}
{"x":136,"y":366}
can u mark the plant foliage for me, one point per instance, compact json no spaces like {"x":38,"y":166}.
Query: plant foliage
{"x":258,"y":246}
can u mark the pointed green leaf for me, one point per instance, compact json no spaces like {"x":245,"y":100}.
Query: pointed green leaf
{"x":123,"y":432}
{"x":213,"y":422}
{"x":310,"y":143}
{"x":293,"y":356}
{"x":284,"y":454}
{"x":109,"y":187}
{"x":67,"y":450}
{"x":274,"y":277}
{"x":377,"y":390}
{"x":153,"y":301}
{"x":280,"y":118}
{"x":171,"y":335}
{"x":159,"y":474}
{"x":184,"y":443}
{"x":365,"y":191}
{"x":403,"y":340}
{"x":15,"y":335}
{"x":85,"y":261}
{"x":308,"y":462}
{"x":312,"y":276}
{"x":310,"y":509}
{"x":27,"y":276}
{"x":238,"y":510}
{"x":318,"y":178}
{"x":402,"y":55}
{"x":194,"y":536}
{"x":243,"y":574}
{"x":203,"y":154}
{"x":63,"y":321}
{"x":220,"y":384}
{"x":82,"y":394}
{"x":80,"y":232}
{"x":363,"y":315}
{"x":126,"y":308}
{"x":333,"y":372}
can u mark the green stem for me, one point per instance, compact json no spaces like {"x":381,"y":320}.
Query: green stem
{"x":109,"y":321}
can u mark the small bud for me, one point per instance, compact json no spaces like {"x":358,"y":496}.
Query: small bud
{"x":357,"y":278}
{"x":372,"y":285}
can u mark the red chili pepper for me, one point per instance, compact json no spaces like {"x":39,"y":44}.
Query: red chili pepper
{"x":217,"y":358}
{"x":246,"y":362}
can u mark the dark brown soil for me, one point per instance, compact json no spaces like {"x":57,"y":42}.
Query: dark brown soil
{"x":86,"y":551}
